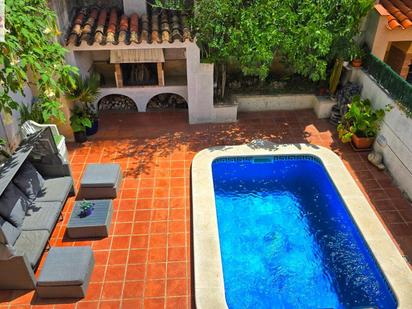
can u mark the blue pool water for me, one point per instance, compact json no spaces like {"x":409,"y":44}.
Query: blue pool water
{"x":288,"y":241}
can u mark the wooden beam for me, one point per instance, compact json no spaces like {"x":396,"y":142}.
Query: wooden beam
{"x":160,"y":74}
{"x":118,"y":75}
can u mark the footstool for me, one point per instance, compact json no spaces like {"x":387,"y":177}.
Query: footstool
{"x":100,"y":181}
{"x":66,"y":272}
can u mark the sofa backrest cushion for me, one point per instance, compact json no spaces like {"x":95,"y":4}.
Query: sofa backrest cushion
{"x":8,"y":232}
{"x":13,"y":205}
{"x":28,"y":180}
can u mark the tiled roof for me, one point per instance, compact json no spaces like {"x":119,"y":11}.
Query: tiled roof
{"x":108,"y":26}
{"x":398,"y":12}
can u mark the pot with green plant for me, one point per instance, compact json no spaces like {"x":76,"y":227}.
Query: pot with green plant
{"x":85,"y":94}
{"x":86,"y":208}
{"x":361,"y":123}
{"x":80,"y":121}
{"x":357,"y":54}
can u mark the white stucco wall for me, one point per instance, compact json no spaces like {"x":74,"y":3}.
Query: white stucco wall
{"x":9,"y":124}
{"x":144,"y":94}
{"x":396,"y":132}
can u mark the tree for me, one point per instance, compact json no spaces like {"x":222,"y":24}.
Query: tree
{"x":31,"y":56}
{"x":307,"y":35}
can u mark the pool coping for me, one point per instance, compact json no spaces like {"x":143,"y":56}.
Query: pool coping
{"x":208,"y":274}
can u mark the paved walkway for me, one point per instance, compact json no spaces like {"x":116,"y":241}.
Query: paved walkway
{"x":146,"y":261}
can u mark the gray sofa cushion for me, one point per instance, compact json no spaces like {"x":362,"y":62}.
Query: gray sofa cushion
{"x":42,"y":216}
{"x":28,"y":180}
{"x":66,"y":266}
{"x":13,"y":205}
{"x":8,"y":232}
{"x":55,"y":190}
{"x":6,"y":252}
{"x":101,"y":175}
{"x":32,"y":244}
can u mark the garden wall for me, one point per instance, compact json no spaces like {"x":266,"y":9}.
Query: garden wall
{"x":394,"y":139}
{"x":9,"y":124}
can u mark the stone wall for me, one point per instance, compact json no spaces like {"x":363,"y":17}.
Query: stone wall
{"x":394,"y":139}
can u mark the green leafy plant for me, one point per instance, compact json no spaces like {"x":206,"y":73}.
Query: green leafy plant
{"x":356,"y":52}
{"x":86,"y":207}
{"x":306,"y":35}
{"x":360,"y":120}
{"x":31,"y":56}
{"x":32,"y":112}
{"x":85,"y":93}
{"x":79,"y":119}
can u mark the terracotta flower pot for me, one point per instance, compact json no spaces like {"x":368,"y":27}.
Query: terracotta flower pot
{"x":356,"y":63}
{"x":362,"y":142}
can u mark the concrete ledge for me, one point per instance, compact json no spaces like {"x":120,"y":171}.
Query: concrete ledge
{"x":256,"y":103}
{"x":225,"y":113}
{"x":396,"y":130}
{"x":208,"y":273}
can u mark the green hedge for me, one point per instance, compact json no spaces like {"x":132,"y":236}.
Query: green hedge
{"x":398,"y":88}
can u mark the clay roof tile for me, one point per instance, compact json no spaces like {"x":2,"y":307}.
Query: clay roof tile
{"x":106,"y":26}
{"x":399,"y":13}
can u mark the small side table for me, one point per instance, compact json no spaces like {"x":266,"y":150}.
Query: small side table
{"x":94,"y":225}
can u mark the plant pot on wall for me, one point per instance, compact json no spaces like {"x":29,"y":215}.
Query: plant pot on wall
{"x":80,"y":137}
{"x":357,"y":63}
{"x":93,"y":129}
{"x":362,"y":142}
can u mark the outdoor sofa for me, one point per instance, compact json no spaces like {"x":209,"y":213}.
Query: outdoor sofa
{"x":34,"y":185}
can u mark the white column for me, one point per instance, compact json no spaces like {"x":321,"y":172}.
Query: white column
{"x":199,"y":87}
{"x":134,"y":6}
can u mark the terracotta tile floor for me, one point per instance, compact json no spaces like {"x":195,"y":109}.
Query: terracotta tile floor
{"x":146,"y":261}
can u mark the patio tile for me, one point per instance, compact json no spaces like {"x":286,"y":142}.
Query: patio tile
{"x":154,"y":288}
{"x":133,"y":290}
{"x":156,"y":271}
{"x":146,"y":260}
{"x":153,"y":303}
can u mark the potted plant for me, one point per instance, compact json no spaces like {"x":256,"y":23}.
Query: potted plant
{"x":85,"y":93}
{"x":86,"y":208}
{"x":357,"y":54}
{"x":360,"y":124}
{"x":80,"y":121}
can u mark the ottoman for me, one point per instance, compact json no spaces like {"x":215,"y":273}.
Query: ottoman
{"x":100,"y":181}
{"x":66,"y":272}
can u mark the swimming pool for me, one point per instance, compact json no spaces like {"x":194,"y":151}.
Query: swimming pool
{"x":287,"y":240}
{"x":288,"y":220}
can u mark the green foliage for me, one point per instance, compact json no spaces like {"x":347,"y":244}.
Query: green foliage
{"x":85,"y":93}
{"x":79,"y":119}
{"x":31,"y":55}
{"x":169,"y":4}
{"x":306,"y":34}
{"x":360,"y":120}
{"x":32,"y":112}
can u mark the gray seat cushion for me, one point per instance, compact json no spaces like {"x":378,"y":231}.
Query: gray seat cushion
{"x":8,"y":232}
{"x":13,"y":205}
{"x":101,"y":175}
{"x":32,"y":244}
{"x":66,"y":266}
{"x":55,"y":190}
{"x":28,"y":180}
{"x":42,"y":216}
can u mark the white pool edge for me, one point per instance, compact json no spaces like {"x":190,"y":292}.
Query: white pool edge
{"x":208,"y":274}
